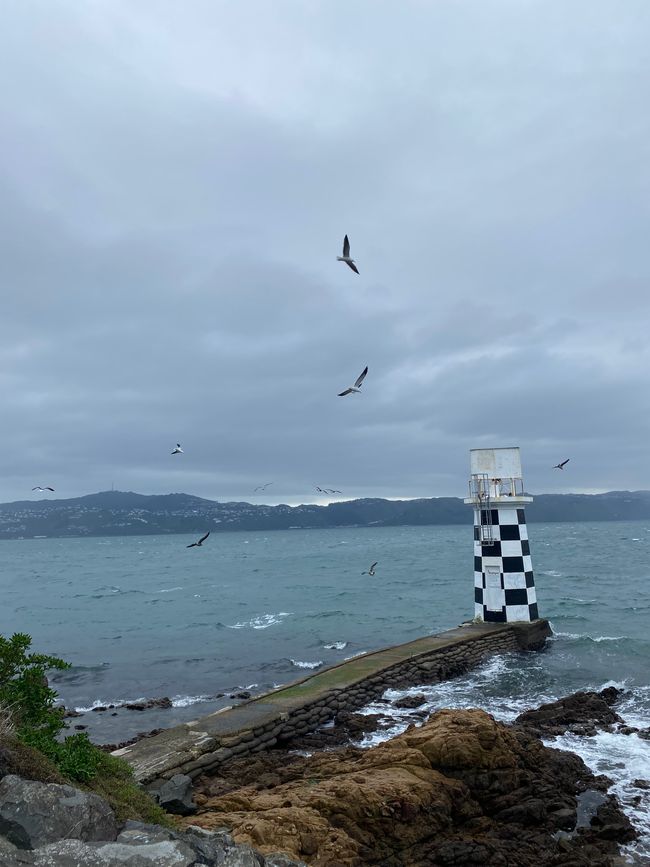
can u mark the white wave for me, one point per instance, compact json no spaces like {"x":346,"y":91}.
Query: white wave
{"x":336,"y":645}
{"x":250,"y":686}
{"x":116,"y":702}
{"x":553,"y":573}
{"x":261,"y":622}
{"x":353,"y":655}
{"x":169,"y":590}
{"x":574,"y":636}
{"x":300,"y":664}
{"x":623,"y":758}
{"x":188,"y":700}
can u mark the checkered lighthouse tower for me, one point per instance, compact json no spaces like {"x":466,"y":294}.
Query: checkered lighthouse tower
{"x":504,"y":586}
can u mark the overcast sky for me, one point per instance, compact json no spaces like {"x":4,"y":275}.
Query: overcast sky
{"x":176,"y":180}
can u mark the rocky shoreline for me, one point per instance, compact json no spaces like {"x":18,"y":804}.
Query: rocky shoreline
{"x":454,"y":790}
{"x":459,"y":789}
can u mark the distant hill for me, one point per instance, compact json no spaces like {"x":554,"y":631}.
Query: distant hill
{"x":120,"y":513}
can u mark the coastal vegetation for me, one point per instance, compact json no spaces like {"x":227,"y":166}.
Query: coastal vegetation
{"x":32,"y":743}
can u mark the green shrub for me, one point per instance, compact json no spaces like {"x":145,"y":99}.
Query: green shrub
{"x":37,"y":722}
{"x":29,"y":729}
{"x":24,"y":688}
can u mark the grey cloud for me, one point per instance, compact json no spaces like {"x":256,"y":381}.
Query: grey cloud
{"x":176,"y":189}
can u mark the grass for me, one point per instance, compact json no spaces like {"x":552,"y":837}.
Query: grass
{"x":114,"y":782}
{"x":7,"y":726}
{"x":27,"y":762}
{"x":113,"y":779}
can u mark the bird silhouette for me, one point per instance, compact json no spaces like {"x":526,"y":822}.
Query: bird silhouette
{"x":200,"y":542}
{"x":357,"y":385}
{"x":349,"y":261}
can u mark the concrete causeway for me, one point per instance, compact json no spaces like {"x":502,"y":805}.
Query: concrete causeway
{"x":205,"y":743}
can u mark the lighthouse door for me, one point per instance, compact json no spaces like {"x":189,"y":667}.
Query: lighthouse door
{"x":493,"y":591}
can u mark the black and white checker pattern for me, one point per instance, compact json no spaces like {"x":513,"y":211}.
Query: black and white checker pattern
{"x":504,"y":585}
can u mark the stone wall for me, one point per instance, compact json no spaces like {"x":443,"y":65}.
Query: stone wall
{"x":431,"y":667}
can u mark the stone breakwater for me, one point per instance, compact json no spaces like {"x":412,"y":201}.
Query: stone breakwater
{"x":279,"y":717}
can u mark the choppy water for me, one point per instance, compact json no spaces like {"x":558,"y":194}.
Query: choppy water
{"x":147,"y":617}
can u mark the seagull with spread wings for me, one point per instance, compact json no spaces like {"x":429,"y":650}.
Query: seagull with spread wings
{"x":371,"y":571}
{"x":262,"y":487}
{"x":200,"y":542}
{"x":178,"y":450}
{"x":39,"y":488}
{"x":561,"y":465}
{"x":357,"y":384}
{"x":349,"y":261}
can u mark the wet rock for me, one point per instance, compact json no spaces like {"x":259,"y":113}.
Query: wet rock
{"x":33,"y":814}
{"x":99,"y":709}
{"x":70,"y":712}
{"x":565,"y":818}
{"x":242,"y":695}
{"x":611,"y":824}
{"x":109,"y":748}
{"x":580,"y":713}
{"x":357,"y":724}
{"x":641,"y":784}
{"x":175,"y":795}
{"x":147,"y":704}
{"x":347,"y":727}
{"x":611,"y":695}
{"x":80,"y":727}
{"x":530,"y":812}
{"x":410,"y":701}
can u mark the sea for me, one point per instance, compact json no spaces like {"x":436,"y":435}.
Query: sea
{"x":146,"y":617}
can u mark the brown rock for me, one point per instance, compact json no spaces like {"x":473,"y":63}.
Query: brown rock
{"x":461,"y":790}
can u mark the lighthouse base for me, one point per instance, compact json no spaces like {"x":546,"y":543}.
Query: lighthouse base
{"x":504,"y":583}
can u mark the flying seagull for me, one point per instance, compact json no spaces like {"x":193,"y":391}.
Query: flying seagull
{"x":357,"y":384}
{"x":371,"y":571}
{"x":561,"y":466}
{"x":39,"y":488}
{"x":349,"y":261}
{"x":332,"y":491}
{"x":200,"y":542}
{"x":178,"y":450}
{"x":262,"y":487}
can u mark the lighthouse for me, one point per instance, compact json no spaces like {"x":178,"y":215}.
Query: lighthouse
{"x":504,"y":585}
